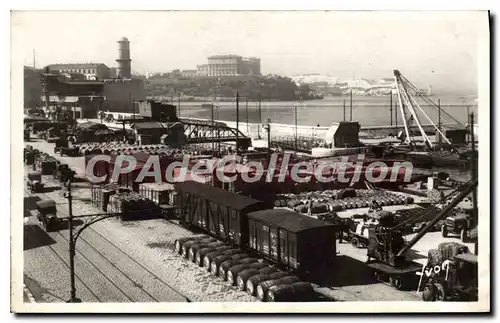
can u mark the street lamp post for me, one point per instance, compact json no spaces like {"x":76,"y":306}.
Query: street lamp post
{"x":73,"y":298}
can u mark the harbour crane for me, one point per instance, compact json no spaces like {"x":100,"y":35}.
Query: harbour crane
{"x":408,"y":104}
{"x":388,"y":248}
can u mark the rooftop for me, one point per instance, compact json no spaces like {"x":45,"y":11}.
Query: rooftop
{"x":289,"y":220}
{"x":218,"y":196}
{"x":224,"y":56}
{"x":76,"y":65}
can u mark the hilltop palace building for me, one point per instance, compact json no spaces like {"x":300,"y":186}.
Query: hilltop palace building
{"x":228,"y":65}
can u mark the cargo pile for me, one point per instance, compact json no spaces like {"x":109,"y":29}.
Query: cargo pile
{"x":244,"y":271}
{"x":338,"y":200}
{"x":127,"y":149}
{"x":445,"y":251}
{"x":132,"y":206}
{"x":46,"y":164}
{"x":112,"y":198}
{"x":416,"y":218}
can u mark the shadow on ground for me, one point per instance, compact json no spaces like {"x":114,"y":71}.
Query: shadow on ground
{"x":345,"y":271}
{"x":51,"y":189}
{"x":30,"y":204}
{"x":36,"y":237}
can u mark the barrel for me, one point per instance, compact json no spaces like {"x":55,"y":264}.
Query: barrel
{"x":263,"y":287}
{"x":226,"y":266}
{"x":209,"y":248}
{"x":217,"y":261}
{"x":254,"y":281}
{"x":217,"y":249}
{"x":303,"y":291}
{"x":244,"y":276}
{"x":233,"y":272}
{"x":187,"y":245}
{"x":280,"y":293}
{"x":207,"y":259}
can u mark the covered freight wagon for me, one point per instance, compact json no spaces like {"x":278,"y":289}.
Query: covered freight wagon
{"x":295,"y":241}
{"x":216,"y":211}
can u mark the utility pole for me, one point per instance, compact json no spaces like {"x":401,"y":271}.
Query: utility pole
{"x":213,"y":137}
{"x":296,"y":130}
{"x":178,"y":105}
{"x":268,"y":135}
{"x":474,"y":174}
{"x":344,"y":110}
{"x":350,"y":112}
{"x":246,"y":117}
{"x":390,"y":105}
{"x":260,"y":114}
{"x":439,"y":120}
{"x":396,"y":117}
{"x":237,"y":121}
{"x":34,"y":59}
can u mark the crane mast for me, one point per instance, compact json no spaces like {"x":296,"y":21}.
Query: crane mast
{"x":408,"y":102}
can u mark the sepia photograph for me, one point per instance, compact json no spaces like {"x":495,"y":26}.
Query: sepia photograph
{"x":250,"y":161}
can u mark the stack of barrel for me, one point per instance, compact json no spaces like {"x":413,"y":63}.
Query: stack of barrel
{"x":244,"y":270}
{"x":339,"y":200}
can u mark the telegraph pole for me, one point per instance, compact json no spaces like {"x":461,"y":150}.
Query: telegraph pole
{"x":390,"y":105}
{"x":179,"y":105}
{"x":439,"y":120}
{"x":344,"y":110}
{"x":237,"y":121}
{"x":213,"y":137}
{"x":474,"y":175}
{"x":350,"y":111}
{"x":296,"y":130}
{"x":268,"y":135}
{"x":246,"y":117}
{"x":260,"y":115}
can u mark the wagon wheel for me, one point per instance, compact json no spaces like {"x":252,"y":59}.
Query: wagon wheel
{"x":250,"y":288}
{"x":428,"y":295}
{"x":444,"y":231}
{"x":178,"y":246}
{"x":396,"y":281}
{"x":463,"y":235}
{"x":355,"y":242}
{"x":439,"y":292}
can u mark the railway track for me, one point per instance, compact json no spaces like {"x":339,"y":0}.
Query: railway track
{"x":77,"y":277}
{"x":350,"y":293}
{"x":121,"y":254}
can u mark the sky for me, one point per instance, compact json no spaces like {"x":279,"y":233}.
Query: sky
{"x":429,"y":48}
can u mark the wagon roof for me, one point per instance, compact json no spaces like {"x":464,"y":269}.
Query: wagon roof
{"x":288,"y":220}
{"x":157,"y":186}
{"x":44,"y":204}
{"x":217,"y":195}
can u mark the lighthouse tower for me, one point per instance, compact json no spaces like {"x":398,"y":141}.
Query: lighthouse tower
{"x":123,"y":61}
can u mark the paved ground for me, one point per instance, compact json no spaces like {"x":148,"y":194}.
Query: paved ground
{"x":133,"y":262}
{"x":115,"y":262}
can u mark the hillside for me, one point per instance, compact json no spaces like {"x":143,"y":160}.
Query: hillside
{"x":271,"y":87}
